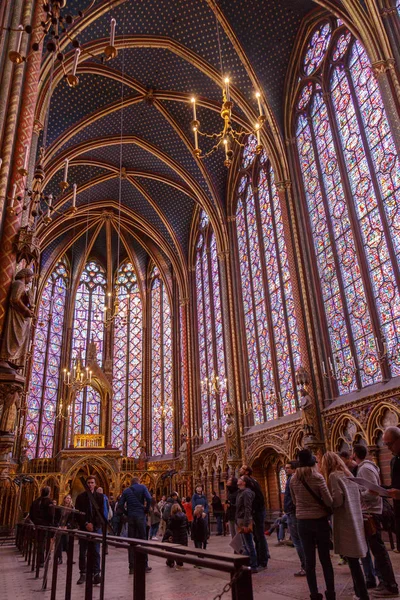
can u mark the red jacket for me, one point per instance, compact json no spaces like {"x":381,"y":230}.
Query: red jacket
{"x":188,"y":510}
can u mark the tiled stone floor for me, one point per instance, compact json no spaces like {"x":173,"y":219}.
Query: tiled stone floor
{"x":276,"y":583}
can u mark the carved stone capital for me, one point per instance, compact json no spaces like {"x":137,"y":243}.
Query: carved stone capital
{"x":231,"y":218}
{"x":381,"y":66}
{"x":27,"y":246}
{"x":224,"y":255}
{"x":184,"y":302}
{"x":37,"y":127}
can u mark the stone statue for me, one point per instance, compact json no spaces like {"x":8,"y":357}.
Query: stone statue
{"x":16,"y":333}
{"x":10,"y":396}
{"x":230,"y":432}
{"x":306,"y":407}
{"x":142,"y":455}
{"x":183,"y":447}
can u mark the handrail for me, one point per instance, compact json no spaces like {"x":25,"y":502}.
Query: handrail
{"x":31,"y":539}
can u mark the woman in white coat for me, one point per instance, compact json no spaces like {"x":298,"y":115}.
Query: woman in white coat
{"x":348,"y":525}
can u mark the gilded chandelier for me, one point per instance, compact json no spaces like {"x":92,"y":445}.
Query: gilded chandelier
{"x":228,"y":136}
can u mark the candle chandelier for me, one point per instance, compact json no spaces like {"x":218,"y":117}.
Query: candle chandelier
{"x":79,"y":377}
{"x":228,"y":136}
{"x":214,"y":384}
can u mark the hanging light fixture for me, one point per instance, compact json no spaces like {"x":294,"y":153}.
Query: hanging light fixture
{"x":228,"y":136}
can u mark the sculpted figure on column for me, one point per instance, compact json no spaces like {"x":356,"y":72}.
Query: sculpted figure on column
{"x":10,"y":398}
{"x":16,"y":333}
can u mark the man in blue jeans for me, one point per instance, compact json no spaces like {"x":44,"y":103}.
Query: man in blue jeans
{"x":137,"y":500}
{"x":258,"y":518}
{"x":290,"y":511}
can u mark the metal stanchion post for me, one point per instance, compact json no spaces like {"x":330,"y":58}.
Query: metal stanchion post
{"x":70,"y":560}
{"x":89,"y":570}
{"x":54,"y":577}
{"x":139,"y":577}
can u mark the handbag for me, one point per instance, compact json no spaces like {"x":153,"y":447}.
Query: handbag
{"x":370,"y":527}
{"x":317,"y":498}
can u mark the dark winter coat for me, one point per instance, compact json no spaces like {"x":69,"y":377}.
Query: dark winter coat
{"x":244,"y":504}
{"x":231,"y":502}
{"x":90,"y":515}
{"x":200,"y":499}
{"x":199,"y":528}
{"x":42,"y":511}
{"x":216,"y":504}
{"x":177,"y":524}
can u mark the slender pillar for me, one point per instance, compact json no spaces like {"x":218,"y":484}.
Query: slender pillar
{"x":386,"y":76}
{"x":12,"y":221}
{"x":230,"y":347}
{"x":187,"y":414}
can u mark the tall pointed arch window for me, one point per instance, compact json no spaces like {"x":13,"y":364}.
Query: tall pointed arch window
{"x":351,"y":181}
{"x":127,"y":364}
{"x":268,"y":306}
{"x":42,"y":400}
{"x":162,"y":417}
{"x":88,"y":326}
{"x":213,"y":390}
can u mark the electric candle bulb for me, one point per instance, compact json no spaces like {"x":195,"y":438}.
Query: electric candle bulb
{"x":112,"y":32}
{"x":228,"y":97}
{"x":19,"y":37}
{"x":257,"y":128}
{"x":66,"y":170}
{"x":13,"y":192}
{"x":74,"y":196}
{"x":50,"y":202}
{"x":226,"y":148}
{"x":26,"y":158}
{"x":76,"y":59}
{"x":194,"y":109}
{"x":258,"y":96}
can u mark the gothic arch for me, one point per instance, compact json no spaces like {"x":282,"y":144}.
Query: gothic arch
{"x":346,"y":429}
{"x":382,"y":415}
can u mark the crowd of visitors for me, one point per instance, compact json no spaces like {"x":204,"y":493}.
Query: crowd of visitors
{"x":324,"y":510}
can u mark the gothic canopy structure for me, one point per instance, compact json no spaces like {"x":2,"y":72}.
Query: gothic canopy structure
{"x":207,"y":193}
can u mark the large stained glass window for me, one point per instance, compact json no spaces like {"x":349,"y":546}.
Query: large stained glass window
{"x":351,"y":180}
{"x":88,"y":327}
{"x":213,"y":390}
{"x":42,"y":401}
{"x":127,"y":366}
{"x":269,"y":314}
{"x":162,"y":417}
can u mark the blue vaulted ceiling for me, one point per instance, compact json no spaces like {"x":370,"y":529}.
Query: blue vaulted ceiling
{"x":179,"y":50}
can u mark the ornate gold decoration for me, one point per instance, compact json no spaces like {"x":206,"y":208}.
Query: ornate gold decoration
{"x":94,"y":440}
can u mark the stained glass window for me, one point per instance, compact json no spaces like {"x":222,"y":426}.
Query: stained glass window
{"x":351,"y":179}
{"x":269,"y":314}
{"x":127,"y":366}
{"x":213,"y":390}
{"x":42,"y":401}
{"x":88,"y":326}
{"x":282,"y":480}
{"x":161,"y":368}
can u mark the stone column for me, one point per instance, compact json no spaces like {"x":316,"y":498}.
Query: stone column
{"x":233,"y":430}
{"x":11,"y":388}
{"x":12,"y":221}
{"x":385,"y":73}
{"x":187,"y":415}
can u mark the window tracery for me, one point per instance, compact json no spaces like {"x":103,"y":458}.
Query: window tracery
{"x":213,"y":392}
{"x":42,"y":401}
{"x":269,"y":316}
{"x":127,"y":364}
{"x":161,"y":368}
{"x":351,"y":181}
{"x":88,"y":326}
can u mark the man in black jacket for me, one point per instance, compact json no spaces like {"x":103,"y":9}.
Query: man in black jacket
{"x":258,"y":518}
{"x":391,"y":439}
{"x":89,"y":521}
{"x":41,"y":512}
{"x":290,"y":511}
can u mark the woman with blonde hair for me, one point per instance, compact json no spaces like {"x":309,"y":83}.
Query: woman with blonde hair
{"x":348,"y":525}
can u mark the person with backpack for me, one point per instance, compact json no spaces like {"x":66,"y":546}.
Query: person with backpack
{"x":259,"y":515}
{"x":372,"y":508}
{"x":137,"y":500}
{"x":42,"y":512}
